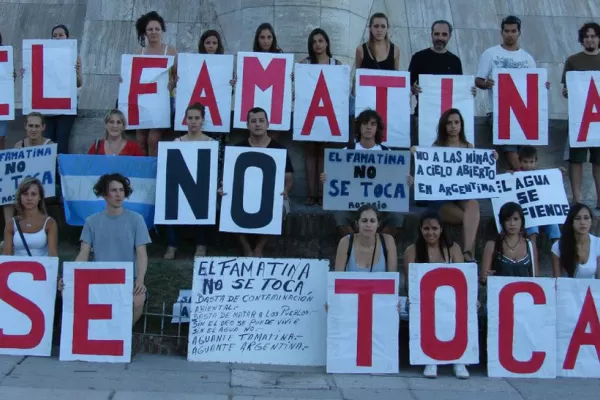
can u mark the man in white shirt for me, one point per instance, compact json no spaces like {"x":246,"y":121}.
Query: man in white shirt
{"x":505,"y":55}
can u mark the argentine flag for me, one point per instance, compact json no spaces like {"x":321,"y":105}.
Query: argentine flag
{"x":79,"y":174}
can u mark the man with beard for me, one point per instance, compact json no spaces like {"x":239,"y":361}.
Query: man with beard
{"x":586,"y":60}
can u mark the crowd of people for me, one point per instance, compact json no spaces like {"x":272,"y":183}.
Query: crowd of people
{"x":367,"y":239}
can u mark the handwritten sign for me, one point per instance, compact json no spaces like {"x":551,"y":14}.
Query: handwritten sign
{"x":17,"y":164}
{"x":358,"y":177}
{"x":446,"y":173}
{"x":181,"y":308}
{"x":261,"y":311}
{"x":540,"y":193}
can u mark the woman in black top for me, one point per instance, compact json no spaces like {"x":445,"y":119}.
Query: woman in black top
{"x":379,"y":52}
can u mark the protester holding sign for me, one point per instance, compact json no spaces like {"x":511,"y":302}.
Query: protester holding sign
{"x":511,"y":254}
{"x":379,"y":52}
{"x":577,"y":253}
{"x":194,"y":116}
{"x":32,"y":232}
{"x":150,"y":27}
{"x":319,"y":52}
{"x":115,"y":143}
{"x":210,"y":43}
{"x":586,"y":60}
{"x":367,"y":251}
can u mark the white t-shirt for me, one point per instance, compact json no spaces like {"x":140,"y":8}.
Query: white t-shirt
{"x":497,"y":57}
{"x":359,"y":147}
{"x":587,"y":270}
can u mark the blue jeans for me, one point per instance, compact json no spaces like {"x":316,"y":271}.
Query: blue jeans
{"x":173,"y":236}
{"x":552,"y":232}
{"x":58,"y":129}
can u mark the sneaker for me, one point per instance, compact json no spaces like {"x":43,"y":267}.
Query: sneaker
{"x":200,"y":251}
{"x":170,"y":253}
{"x":460,"y":371}
{"x":430,"y":371}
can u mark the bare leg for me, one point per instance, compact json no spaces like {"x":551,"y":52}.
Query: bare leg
{"x":245,"y":245}
{"x":596,"y":173}
{"x":141,"y":137}
{"x":154,"y":137}
{"x":311,"y":171}
{"x":470,"y":224}
{"x":138,"y":306}
{"x":575,"y":173}
{"x":533,"y":238}
{"x":260,"y":245}
{"x":513,"y":160}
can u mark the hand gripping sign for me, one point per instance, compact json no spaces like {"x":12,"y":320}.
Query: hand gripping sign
{"x":7,"y":84}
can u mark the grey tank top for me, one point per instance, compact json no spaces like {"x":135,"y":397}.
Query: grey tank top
{"x":380,"y":266}
{"x":505,"y":266}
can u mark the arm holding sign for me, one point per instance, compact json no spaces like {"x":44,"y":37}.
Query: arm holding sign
{"x":78,"y":71}
{"x":52,"y":235}
{"x":84,"y":252}
{"x":8,"y":249}
{"x":392,"y":253}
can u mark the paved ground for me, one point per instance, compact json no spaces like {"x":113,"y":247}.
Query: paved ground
{"x":161,"y":377}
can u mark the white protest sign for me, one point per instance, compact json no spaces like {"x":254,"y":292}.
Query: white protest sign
{"x":27,"y":296}
{"x":541,"y":194}
{"x":584,"y":108}
{"x":358,"y":177}
{"x":7,"y":84}
{"x":449,"y":173}
{"x":521,"y":339}
{"x":97,"y":311}
{"x":520,"y":109}
{"x":387,"y":92}
{"x":204,"y":79}
{"x":144,"y":92}
{"x":578,"y":327}
{"x":321,"y":106}
{"x":443,"y":314}
{"x":264,"y":80}
{"x":17,"y":164}
{"x":186,"y":183}
{"x":181,"y":308}
{"x":440,"y":93}
{"x":50,"y":79}
{"x":253,"y":182}
{"x":259,"y":311}
{"x":362,"y":322}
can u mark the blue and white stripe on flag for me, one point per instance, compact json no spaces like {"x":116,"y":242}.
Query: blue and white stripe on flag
{"x":79,"y":174}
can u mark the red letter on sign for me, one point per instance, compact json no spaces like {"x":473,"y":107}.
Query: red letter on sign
{"x":510,"y":99}
{"x":204,"y":86}
{"x":365,"y":289}
{"x":382,"y":83}
{"x":38,"y":101}
{"x":20,"y":303}
{"x":84,"y":312}
{"x":447,"y":89}
{"x":434,"y":348}
{"x":315,"y":110}
{"x":137,"y":88}
{"x":506,"y":328}
{"x":588,"y":316}
{"x":256,"y":76}
{"x":591,"y":113}
{"x":4,"y":110}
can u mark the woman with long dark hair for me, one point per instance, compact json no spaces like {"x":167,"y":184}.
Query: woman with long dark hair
{"x":378,"y":52}
{"x":433,"y":245}
{"x":265,"y":40}
{"x":577,"y":252}
{"x":210,"y":43}
{"x":511,"y":253}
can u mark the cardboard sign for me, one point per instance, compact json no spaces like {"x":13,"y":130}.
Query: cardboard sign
{"x":578,"y":327}
{"x":358,"y":177}
{"x":259,"y":311}
{"x":144,"y":92}
{"x":7,"y":84}
{"x":521,"y":323}
{"x":264,"y":80}
{"x":584,"y":108}
{"x":448,"y":173}
{"x":50,"y":79}
{"x":181,"y":308}
{"x":79,"y":173}
{"x":27,"y":296}
{"x":520,"y":106}
{"x":443,"y":314}
{"x":541,"y":194}
{"x":387,"y":92}
{"x":17,"y":164}
{"x":187,"y":183}
{"x":440,"y":93}
{"x":253,"y":180}
{"x":362,"y":322}
{"x":204,"y":79}
{"x":97,"y":312}
{"x":321,"y":107}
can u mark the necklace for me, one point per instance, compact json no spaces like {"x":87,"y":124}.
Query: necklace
{"x":512,"y":248}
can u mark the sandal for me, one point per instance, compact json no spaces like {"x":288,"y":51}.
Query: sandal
{"x":310,"y":201}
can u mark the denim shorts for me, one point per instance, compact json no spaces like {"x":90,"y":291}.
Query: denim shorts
{"x":552,"y":232}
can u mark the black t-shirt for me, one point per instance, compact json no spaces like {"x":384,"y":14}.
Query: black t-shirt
{"x":273,"y":145}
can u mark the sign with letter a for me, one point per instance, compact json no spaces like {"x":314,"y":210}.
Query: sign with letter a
{"x":584,"y":108}
{"x":7,"y":84}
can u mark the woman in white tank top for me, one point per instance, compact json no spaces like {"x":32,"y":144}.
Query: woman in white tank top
{"x":39,"y":231}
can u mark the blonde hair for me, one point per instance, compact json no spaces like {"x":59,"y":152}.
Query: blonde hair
{"x":121,"y":117}
{"x":24,"y":187}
